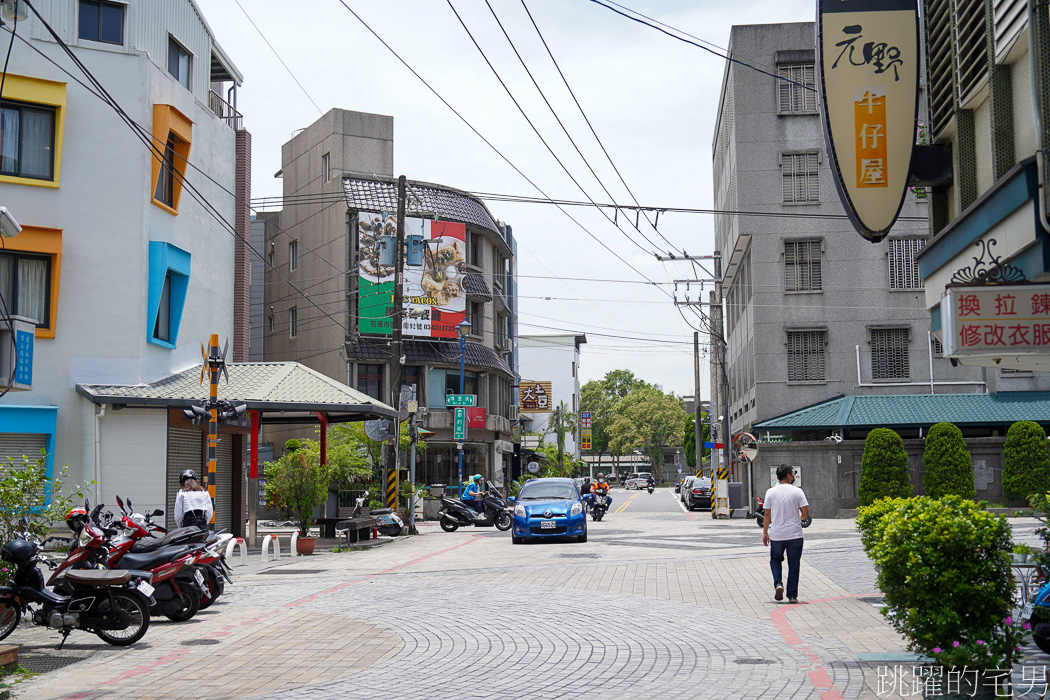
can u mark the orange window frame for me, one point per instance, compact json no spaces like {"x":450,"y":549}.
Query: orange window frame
{"x":42,"y":241}
{"x":170,"y":124}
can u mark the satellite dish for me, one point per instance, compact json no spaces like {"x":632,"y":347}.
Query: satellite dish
{"x":378,"y":430}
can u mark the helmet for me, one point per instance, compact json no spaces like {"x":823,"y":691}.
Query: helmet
{"x":17,"y":551}
{"x":76,"y":518}
{"x":601,"y":476}
{"x":475,"y":477}
{"x":187,"y":474}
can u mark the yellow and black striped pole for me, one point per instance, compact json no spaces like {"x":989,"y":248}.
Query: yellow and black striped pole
{"x":391,"y":488}
{"x":723,"y":473}
{"x":214,"y":362}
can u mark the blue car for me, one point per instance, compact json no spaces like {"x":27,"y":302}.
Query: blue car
{"x":549,"y":508}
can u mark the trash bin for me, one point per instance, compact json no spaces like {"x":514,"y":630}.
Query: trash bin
{"x":437,"y":490}
{"x":736,"y":495}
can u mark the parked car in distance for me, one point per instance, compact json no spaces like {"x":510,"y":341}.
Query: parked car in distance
{"x":637,"y":481}
{"x":686,"y":483}
{"x":698,"y":495}
{"x":549,"y":507}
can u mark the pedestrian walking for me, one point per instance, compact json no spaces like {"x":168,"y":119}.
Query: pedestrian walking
{"x":785,"y":506}
{"x":193,"y":506}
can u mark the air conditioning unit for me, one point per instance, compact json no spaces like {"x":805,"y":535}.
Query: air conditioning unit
{"x":512,"y":412}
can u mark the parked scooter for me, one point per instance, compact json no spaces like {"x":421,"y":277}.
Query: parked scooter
{"x":109,"y":603}
{"x":388,"y":522}
{"x":455,"y":514}
{"x":760,"y":514}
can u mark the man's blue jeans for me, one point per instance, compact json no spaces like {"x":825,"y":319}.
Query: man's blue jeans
{"x":793,"y":549}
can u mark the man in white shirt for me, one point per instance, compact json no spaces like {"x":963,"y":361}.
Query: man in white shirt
{"x":782,"y":530}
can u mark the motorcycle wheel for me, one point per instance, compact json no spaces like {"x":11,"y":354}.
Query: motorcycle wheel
{"x":448,"y":526}
{"x":806,"y":521}
{"x":760,"y":520}
{"x":215,"y":586}
{"x":9,"y":617}
{"x":1041,"y":637}
{"x":503,"y":522}
{"x":598,"y":514}
{"x":190,"y":602}
{"x":136,"y":608}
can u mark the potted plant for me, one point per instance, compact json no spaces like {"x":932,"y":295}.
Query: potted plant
{"x":303,"y":485}
{"x":944,"y":567}
{"x":1020,"y":553}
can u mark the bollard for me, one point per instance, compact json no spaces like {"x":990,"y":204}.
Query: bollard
{"x":235,"y":542}
{"x":375,"y":533}
{"x":292,"y":551}
{"x":266,"y":546}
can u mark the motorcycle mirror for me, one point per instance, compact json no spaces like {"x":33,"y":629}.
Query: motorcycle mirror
{"x":120,"y":503}
{"x":156,"y":513}
{"x":87,"y":505}
{"x":130,"y":507}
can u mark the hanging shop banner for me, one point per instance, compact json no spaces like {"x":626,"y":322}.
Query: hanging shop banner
{"x":434,"y":301}
{"x":868,"y":72}
{"x":996,"y":320}
{"x":535,"y":397}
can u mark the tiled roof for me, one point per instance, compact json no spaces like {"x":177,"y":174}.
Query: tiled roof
{"x":427,"y":352}
{"x":474,"y":285}
{"x":916,"y":410}
{"x":265,"y":386}
{"x":427,"y":200}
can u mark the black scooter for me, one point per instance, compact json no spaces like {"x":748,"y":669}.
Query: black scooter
{"x":760,"y":514}
{"x":455,"y":514}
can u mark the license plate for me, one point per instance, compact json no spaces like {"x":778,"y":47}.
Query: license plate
{"x":145,"y":589}
{"x":1026,"y":614}
{"x":548,"y":525}
{"x":198,"y":577}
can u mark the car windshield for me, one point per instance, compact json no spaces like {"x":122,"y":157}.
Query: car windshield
{"x":705,"y":482}
{"x":535,"y":492}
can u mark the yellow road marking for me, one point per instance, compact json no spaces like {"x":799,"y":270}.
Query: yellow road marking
{"x":626,"y":503}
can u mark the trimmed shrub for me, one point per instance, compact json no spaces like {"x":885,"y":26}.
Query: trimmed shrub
{"x":869,"y":518}
{"x":932,"y":554}
{"x":1026,"y":462}
{"x":949,"y":469}
{"x":883,"y":468}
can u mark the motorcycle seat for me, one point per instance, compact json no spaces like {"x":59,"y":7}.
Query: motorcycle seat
{"x":380,"y":511}
{"x":98,"y":577}
{"x":148,"y":560}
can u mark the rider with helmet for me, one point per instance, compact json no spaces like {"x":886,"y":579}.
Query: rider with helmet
{"x":602,"y":486}
{"x":474,"y":494}
{"x":193,"y":506}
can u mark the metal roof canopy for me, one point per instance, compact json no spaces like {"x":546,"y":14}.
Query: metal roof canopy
{"x":282,"y":393}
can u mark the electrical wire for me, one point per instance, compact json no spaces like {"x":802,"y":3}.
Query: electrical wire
{"x":3,"y":303}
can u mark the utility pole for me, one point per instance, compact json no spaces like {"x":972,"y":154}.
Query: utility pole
{"x":699,"y":428}
{"x":559,"y":435}
{"x":396,"y":368}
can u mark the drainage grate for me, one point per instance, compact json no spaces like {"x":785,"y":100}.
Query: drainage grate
{"x":294,"y":571}
{"x":199,"y":642}
{"x":753,"y":662}
{"x":873,"y":600}
{"x":592,"y":555}
{"x":43,"y":663}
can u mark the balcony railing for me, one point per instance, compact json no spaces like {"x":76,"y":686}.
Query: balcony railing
{"x":224,"y":110}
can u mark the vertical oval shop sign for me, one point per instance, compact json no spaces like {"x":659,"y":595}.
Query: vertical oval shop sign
{"x":868,"y":71}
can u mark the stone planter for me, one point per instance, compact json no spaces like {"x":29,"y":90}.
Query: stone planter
{"x":431,"y":506}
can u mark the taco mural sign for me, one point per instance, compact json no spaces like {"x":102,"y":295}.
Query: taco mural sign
{"x":434,"y":301}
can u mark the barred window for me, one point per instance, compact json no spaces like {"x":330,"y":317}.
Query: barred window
{"x":889,"y":353}
{"x":802,"y":271}
{"x":806,"y":356}
{"x":796,"y":91}
{"x":938,"y":348}
{"x":904,"y":271}
{"x":800,"y":181}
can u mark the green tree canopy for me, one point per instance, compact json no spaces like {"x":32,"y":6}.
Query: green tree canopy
{"x":647,"y":419}
{"x":689,"y":439}
{"x":883,"y":468}
{"x":601,"y":397}
{"x":949,"y":469}
{"x":1026,"y":465}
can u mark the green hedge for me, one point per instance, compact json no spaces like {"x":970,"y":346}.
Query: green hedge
{"x":883,"y":468}
{"x":949,"y":469}
{"x":869,"y":518}
{"x":1026,"y":461}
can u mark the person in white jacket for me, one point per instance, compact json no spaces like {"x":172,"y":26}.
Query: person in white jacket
{"x":193,"y":505}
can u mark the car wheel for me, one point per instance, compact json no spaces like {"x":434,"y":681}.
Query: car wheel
{"x":582,"y":538}
{"x":514,"y":539}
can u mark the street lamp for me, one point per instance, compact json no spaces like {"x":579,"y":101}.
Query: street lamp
{"x":462,"y":330}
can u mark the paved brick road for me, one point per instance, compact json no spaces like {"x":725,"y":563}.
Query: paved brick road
{"x":659,"y":604}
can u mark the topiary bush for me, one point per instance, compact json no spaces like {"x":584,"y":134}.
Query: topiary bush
{"x":949,"y":469}
{"x":1026,"y":460}
{"x":869,"y":518}
{"x":931,"y":555}
{"x":883,"y":468}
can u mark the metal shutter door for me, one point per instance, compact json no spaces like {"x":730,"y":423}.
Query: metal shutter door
{"x":224,"y":483}
{"x":17,"y":445}
{"x":185,"y":451}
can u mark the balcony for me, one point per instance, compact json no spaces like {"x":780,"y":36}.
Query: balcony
{"x":224,"y":110}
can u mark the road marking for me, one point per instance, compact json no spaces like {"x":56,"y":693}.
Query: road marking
{"x":626,"y":503}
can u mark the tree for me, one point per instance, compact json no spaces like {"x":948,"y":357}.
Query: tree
{"x":883,"y":468}
{"x":689,"y":439}
{"x":300,"y":483}
{"x":648,"y":419}
{"x":601,"y":397}
{"x":949,"y":469}
{"x":27,"y":492}
{"x":1026,"y":460}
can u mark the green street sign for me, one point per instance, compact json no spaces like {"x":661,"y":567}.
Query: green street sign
{"x":461,"y":400}
{"x":459,"y":424}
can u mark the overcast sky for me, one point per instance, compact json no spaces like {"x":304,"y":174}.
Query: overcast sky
{"x":651,"y":99}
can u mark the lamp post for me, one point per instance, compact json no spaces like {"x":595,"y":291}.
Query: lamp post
{"x":461,"y":330}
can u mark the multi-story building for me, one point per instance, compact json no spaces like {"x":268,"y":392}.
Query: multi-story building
{"x":813,"y":311}
{"x":556,"y":359}
{"x":338,"y":185}
{"x":128,"y":256}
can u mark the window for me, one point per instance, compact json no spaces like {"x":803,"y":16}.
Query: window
{"x":269,"y":259}
{"x":169,"y":277}
{"x":25,"y":284}
{"x":326,"y":174}
{"x":446,"y":381}
{"x":796,"y":93}
{"x":475,"y":318}
{"x":102,"y":21}
{"x":904,"y":272}
{"x":370,"y":380}
{"x":889,"y":353}
{"x":165,"y":193}
{"x":269,"y":323}
{"x":806,"y":356}
{"x":293,"y":255}
{"x":938,"y":347}
{"x":800,"y":183}
{"x":474,"y":247}
{"x":411,"y":378}
{"x":293,"y":322}
{"x":27,"y":141}
{"x":802,"y":266}
{"x":162,"y":328}
{"x":179,"y":62}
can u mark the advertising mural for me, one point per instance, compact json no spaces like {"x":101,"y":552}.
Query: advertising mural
{"x":434,"y":300}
